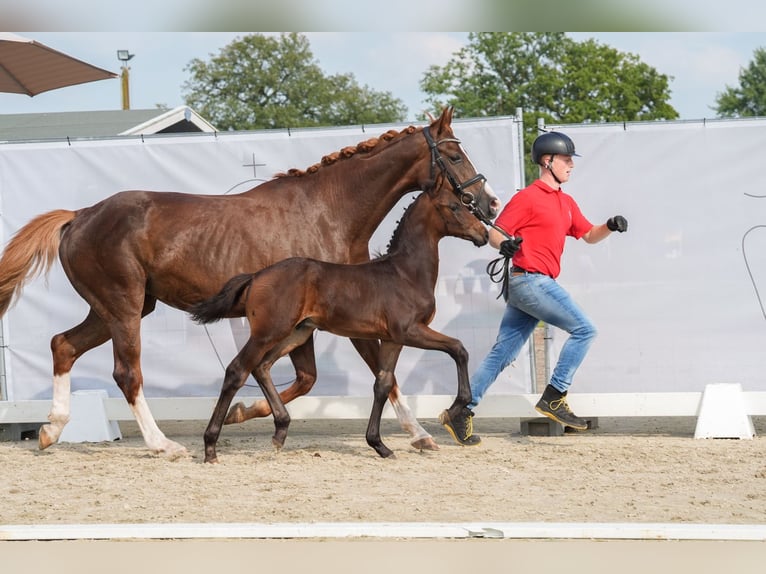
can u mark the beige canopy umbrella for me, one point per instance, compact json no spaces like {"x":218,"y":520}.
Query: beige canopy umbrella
{"x":29,"y":67}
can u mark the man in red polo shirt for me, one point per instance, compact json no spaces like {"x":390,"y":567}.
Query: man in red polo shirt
{"x":538,"y":218}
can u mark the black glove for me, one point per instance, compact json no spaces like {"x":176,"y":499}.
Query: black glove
{"x":509,"y":247}
{"x":617,"y":223}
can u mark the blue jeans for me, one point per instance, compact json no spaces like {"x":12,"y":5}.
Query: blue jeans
{"x":533,"y":298}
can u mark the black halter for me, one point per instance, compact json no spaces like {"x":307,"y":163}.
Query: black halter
{"x":467,"y":198}
{"x":497,"y":269}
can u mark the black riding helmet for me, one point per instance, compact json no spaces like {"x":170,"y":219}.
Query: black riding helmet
{"x":552,"y":143}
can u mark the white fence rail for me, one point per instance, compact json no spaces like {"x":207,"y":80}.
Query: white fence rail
{"x":686,"y":404}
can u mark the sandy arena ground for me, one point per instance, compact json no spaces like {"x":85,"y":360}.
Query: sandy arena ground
{"x":627,"y":470}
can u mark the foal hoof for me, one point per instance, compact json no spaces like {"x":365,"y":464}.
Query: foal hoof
{"x":425,"y":443}
{"x":385,"y":452}
{"x":236,"y":414}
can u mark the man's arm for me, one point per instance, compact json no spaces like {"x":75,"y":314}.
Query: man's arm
{"x":599,"y":232}
{"x":496,"y":238}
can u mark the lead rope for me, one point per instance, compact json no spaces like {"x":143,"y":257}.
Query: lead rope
{"x":497,"y":267}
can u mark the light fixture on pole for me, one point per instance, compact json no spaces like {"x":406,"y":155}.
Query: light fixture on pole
{"x":124,"y":56}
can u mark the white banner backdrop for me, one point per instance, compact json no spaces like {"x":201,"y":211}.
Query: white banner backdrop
{"x":679,"y":299}
{"x":181,"y":358}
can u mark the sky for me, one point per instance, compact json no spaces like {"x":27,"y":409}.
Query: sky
{"x":701,"y":64}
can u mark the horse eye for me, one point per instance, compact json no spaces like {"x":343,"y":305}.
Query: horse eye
{"x":455,"y":159}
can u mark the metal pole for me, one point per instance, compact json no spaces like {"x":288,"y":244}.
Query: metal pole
{"x":546,"y":327}
{"x":521,"y":182}
{"x":3,"y":374}
{"x":125,"y":88}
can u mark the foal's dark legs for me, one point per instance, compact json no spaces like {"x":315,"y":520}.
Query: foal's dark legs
{"x":420,"y":439}
{"x":249,"y":359}
{"x":426,"y":338}
{"x":235,"y":377}
{"x":304,"y":361}
{"x":384,"y":381}
{"x":423,"y":337}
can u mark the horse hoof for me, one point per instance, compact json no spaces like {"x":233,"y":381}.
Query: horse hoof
{"x":211,"y":460}
{"x":236,"y":414}
{"x":278,"y":444}
{"x":174,"y":456}
{"x":174,"y":451}
{"x":45,"y":438}
{"x":426,"y":443}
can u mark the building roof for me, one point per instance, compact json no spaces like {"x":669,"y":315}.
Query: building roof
{"x":60,"y":125}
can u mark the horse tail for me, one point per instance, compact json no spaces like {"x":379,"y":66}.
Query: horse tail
{"x":220,"y":305}
{"x":30,"y":252}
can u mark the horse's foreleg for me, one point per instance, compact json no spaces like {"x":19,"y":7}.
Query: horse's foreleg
{"x":419,"y":438}
{"x":384,"y":380}
{"x":304,"y":361}
{"x":154,"y":438}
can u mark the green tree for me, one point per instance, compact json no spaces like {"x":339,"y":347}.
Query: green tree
{"x":749,"y":98}
{"x":262,"y":82}
{"x":549,"y":76}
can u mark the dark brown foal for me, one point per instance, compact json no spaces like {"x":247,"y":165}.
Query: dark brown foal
{"x":390,"y":299}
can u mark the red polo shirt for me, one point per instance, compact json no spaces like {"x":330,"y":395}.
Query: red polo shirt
{"x":543,"y":217}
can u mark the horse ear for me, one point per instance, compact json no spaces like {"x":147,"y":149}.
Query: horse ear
{"x":431,"y":118}
{"x":445,"y":119}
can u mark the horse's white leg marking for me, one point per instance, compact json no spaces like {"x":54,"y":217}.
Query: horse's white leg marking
{"x":407,"y":421}
{"x":154,"y":438}
{"x":59,"y":413}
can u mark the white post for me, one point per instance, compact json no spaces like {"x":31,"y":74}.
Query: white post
{"x":722,"y":413}
{"x":88,"y":421}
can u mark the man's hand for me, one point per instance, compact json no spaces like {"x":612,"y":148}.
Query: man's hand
{"x":617,"y":223}
{"x":509,"y":247}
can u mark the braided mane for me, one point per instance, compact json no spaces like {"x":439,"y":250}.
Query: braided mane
{"x":363,"y":147}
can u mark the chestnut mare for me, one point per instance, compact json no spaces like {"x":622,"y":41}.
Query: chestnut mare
{"x":134,"y":248}
{"x":390,"y":299}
